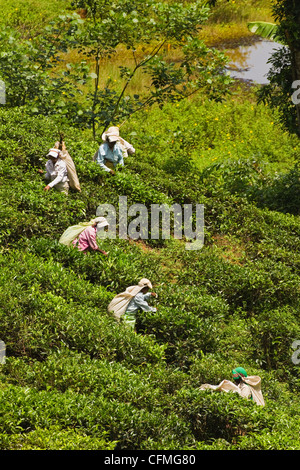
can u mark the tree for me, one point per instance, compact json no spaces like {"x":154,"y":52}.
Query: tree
{"x":30,"y":70}
{"x":139,"y":33}
{"x":285,"y":69}
{"x":287,"y":15}
{"x":143,"y":30}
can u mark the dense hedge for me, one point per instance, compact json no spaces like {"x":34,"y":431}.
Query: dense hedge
{"x":76,"y":379}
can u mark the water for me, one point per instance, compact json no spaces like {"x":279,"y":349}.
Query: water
{"x":250,"y":63}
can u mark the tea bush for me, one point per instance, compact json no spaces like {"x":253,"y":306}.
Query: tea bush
{"x":216,"y":416}
{"x":184,"y":334}
{"x":43,"y":308}
{"x":55,"y":438}
{"x":74,"y":378}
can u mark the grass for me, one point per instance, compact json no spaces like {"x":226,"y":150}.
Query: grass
{"x":227,"y":25}
{"x":239,"y":11}
{"x":220,"y":131}
{"x":30,"y":16}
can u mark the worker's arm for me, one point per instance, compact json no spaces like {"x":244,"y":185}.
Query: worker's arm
{"x":100,"y":158}
{"x":141,"y":302}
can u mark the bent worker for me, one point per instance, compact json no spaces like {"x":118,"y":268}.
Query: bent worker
{"x":71,"y":169}
{"x":86,"y":241}
{"x":127,"y":148}
{"x":246,"y":386}
{"x":56,"y":172}
{"x":110,"y":154}
{"x":128,"y":303}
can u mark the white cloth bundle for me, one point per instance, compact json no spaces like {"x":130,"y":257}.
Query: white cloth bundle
{"x":120,"y":302}
{"x":249,"y":386}
{"x":75,"y":230}
{"x":72,"y":173}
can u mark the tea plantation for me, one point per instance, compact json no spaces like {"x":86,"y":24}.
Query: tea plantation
{"x":74,"y":378}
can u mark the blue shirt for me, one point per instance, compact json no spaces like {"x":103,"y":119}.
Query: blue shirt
{"x":139,"y":301}
{"x":114,"y":155}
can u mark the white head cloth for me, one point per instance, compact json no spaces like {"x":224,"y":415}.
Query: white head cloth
{"x":119,"y":303}
{"x":101,"y":222}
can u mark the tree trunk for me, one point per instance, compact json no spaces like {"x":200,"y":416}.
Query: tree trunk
{"x":296,"y":76}
{"x":296,"y":56}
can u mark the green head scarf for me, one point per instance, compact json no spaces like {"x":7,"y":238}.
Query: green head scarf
{"x":238,"y":373}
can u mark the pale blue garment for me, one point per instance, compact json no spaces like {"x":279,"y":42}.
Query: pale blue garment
{"x":114,"y":155}
{"x":138,"y":302}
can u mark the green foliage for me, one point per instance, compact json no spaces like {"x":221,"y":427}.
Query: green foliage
{"x":29,"y":16}
{"x":285,"y":62}
{"x":29,"y":71}
{"x":264,"y":30}
{"x":49,"y":85}
{"x":215,"y":416}
{"x":68,"y":358}
{"x":78,"y":320}
{"x":74,"y":378}
{"x":55,"y":438}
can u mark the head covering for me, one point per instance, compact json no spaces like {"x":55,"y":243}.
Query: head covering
{"x":113,"y":138}
{"x":53,"y":153}
{"x":145,"y":283}
{"x":101,"y":222}
{"x":253,"y":382}
{"x":239,"y":373}
{"x":74,"y":231}
{"x":112,"y":133}
{"x":120,"y":302}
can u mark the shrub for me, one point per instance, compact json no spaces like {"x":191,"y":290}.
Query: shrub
{"x":71,"y":370}
{"x":216,"y":415}
{"x":273,"y":333}
{"x":183,"y":334}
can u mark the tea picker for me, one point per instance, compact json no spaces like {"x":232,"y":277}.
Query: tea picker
{"x":84,"y":235}
{"x":246,"y":386}
{"x":113,"y":150}
{"x":71,"y":169}
{"x":126,"y":305}
{"x":56,"y":172}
